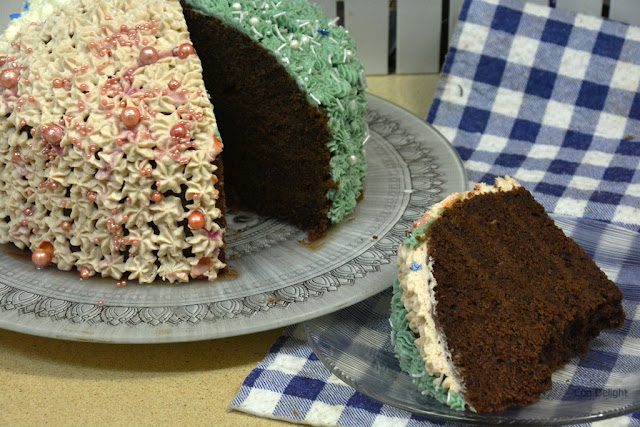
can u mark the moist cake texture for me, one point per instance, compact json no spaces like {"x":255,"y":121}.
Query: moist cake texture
{"x":109,"y":154}
{"x":496,"y":298}
{"x":290,"y":102}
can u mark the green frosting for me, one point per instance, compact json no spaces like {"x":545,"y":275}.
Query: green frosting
{"x":419,"y":234}
{"x":321,"y":57}
{"x":409,"y":355}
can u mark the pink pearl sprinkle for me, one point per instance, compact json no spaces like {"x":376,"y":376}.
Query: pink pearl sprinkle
{"x":148,"y":56}
{"x":174,"y":84}
{"x":9,"y":78}
{"x":196,"y":220}
{"x":130,"y":116}
{"x":91,"y":196}
{"x":53,"y":134}
{"x":156,"y":196}
{"x":178,"y":131}
{"x":41,"y":258}
{"x":185,"y":50}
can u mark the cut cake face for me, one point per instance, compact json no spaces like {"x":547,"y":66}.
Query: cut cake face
{"x":109,"y":143}
{"x":491,"y":297}
{"x":289,"y":95}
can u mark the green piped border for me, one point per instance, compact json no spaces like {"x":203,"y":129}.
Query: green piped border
{"x":409,"y":356}
{"x":418,"y":235}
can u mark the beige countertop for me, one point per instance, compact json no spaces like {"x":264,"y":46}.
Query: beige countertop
{"x":51,"y":382}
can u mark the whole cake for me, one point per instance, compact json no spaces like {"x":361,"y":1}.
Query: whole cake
{"x":111,"y":156}
{"x":491,"y":297}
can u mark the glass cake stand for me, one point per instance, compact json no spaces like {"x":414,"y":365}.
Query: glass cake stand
{"x":355,"y":345}
{"x":277,"y":278}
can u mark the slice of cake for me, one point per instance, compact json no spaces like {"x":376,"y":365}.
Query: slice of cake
{"x":289,"y":97}
{"x":491,"y":297}
{"x":111,"y":157}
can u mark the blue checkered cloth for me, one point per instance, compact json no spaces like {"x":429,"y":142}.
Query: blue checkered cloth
{"x":292,"y":384}
{"x":548,"y":97}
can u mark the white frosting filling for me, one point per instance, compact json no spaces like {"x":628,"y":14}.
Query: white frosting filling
{"x":419,"y":299}
{"x":418,"y":285}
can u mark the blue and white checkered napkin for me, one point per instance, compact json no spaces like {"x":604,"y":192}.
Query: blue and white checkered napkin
{"x":548,"y":97}
{"x":292,"y":384}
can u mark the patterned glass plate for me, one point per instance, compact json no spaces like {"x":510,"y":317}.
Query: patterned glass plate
{"x":277,"y":278}
{"x":355,"y":344}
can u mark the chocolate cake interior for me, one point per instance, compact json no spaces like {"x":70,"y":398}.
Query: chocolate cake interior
{"x":276,"y":161}
{"x":516,"y":297}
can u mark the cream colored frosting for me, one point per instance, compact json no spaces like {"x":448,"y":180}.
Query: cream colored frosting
{"x":418,"y":298}
{"x":418,"y":284}
{"x":86,"y":45}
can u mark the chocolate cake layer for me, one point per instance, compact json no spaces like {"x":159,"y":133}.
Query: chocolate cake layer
{"x":516,"y":297}
{"x":275,"y":154}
